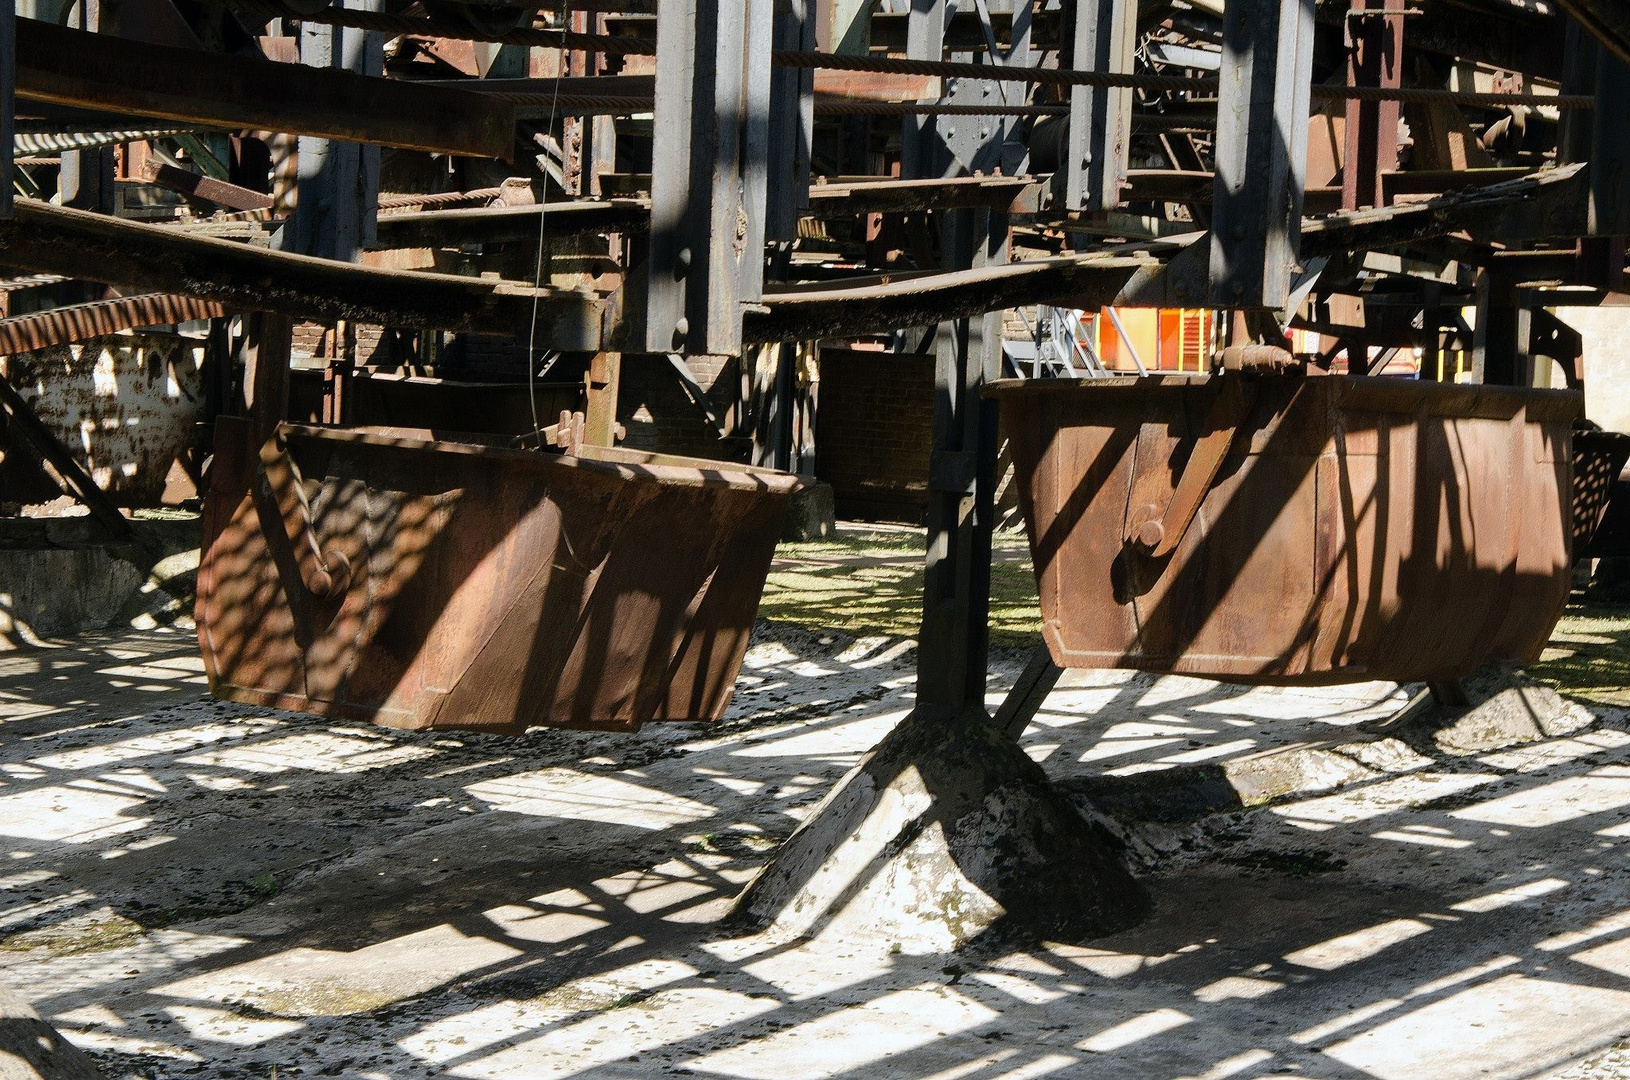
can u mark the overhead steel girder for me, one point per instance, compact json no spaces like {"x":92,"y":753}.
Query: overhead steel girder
{"x":708,"y":178}
{"x":840,"y":309}
{"x":512,"y":224}
{"x":1262,"y":109}
{"x":95,"y":71}
{"x":8,"y":109}
{"x":52,"y":239}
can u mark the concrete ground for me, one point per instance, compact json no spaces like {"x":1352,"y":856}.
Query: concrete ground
{"x":197,"y":889}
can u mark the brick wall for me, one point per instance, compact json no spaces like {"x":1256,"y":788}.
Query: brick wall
{"x":873,"y":432}
{"x":660,"y":416}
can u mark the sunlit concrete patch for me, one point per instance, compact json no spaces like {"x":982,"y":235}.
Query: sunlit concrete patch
{"x":1613,"y":957}
{"x":1512,"y":1026}
{"x":1425,"y":836}
{"x":1358,"y":945}
{"x":81,"y":812}
{"x":668,"y":889}
{"x":1544,"y":755}
{"x":227,"y":1028}
{"x":609,"y":1041}
{"x":858,"y":1041}
{"x":1516,"y":894}
{"x":1380,"y":798}
{"x":173,"y":741}
{"x":1131,"y":1032}
{"x":1236,"y":988}
{"x":1347,"y":705}
{"x":318,"y":751}
{"x":549,"y":920}
{"x":572,"y":795}
{"x":302,"y":982}
{"x":1598,"y":792}
{"x":846,"y":738}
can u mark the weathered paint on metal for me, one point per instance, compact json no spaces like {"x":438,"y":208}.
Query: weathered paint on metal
{"x":481,"y":588}
{"x":1357,"y":529}
{"x":124,"y":407}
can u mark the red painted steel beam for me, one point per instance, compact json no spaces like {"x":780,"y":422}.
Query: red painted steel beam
{"x":1375,"y":58}
{"x":60,"y":66}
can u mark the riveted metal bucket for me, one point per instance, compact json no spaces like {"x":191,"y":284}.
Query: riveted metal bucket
{"x":1294,"y":529}
{"x":378,"y":575}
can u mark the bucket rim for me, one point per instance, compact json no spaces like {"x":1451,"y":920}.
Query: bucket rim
{"x":670,"y":470}
{"x":1551,"y":402}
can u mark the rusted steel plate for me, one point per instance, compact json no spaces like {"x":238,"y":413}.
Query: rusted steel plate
{"x":82,"y":322}
{"x":443,"y":584}
{"x":1356,"y":529}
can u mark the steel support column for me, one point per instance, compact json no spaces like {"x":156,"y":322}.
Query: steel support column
{"x":792,"y":122}
{"x":8,"y":98}
{"x":708,"y":161}
{"x":1100,"y":130}
{"x":1375,"y":57}
{"x":336,"y":208}
{"x":1262,"y":114}
{"x":922,"y":149}
{"x":953,"y":645}
{"x":1610,"y":148}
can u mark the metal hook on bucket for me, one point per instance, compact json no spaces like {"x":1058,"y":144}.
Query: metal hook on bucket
{"x":1156,"y":532}
{"x":325,"y":574}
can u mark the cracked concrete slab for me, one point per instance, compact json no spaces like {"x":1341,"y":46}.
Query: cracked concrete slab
{"x":195,"y":889}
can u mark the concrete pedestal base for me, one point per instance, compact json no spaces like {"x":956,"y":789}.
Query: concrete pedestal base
{"x":944,"y":833}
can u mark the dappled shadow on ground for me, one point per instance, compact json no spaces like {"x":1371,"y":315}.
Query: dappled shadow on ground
{"x":197,"y":889}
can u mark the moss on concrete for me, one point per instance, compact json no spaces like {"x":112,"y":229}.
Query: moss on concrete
{"x":870,"y":583}
{"x":74,"y":938}
{"x":1589,"y":655}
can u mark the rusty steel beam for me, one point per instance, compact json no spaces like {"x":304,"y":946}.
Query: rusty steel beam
{"x":1546,"y":204}
{"x":512,"y":224}
{"x":127,"y":254}
{"x":1375,"y":57}
{"x":889,"y":302}
{"x":1018,"y":195}
{"x":59,"y":66}
{"x":82,"y":322}
{"x":184,"y":182}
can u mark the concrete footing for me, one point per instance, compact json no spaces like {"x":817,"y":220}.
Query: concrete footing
{"x":812,"y":514}
{"x":944,"y":833}
{"x":31,"y":1049}
{"x":60,"y":576}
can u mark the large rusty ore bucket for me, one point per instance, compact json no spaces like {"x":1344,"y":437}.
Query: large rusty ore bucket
{"x":1294,"y":529}
{"x":380,"y":575}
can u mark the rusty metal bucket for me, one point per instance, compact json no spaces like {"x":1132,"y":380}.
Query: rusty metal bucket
{"x":1294,"y":529}
{"x":379,"y":575}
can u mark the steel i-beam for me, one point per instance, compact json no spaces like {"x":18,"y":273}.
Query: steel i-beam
{"x":1262,"y":110}
{"x":708,"y":152}
{"x":1095,"y":155}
